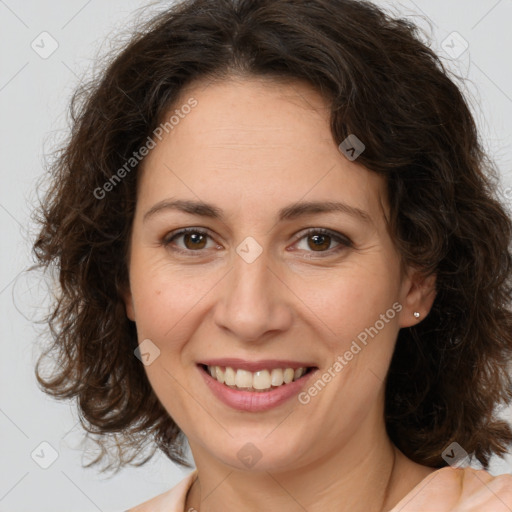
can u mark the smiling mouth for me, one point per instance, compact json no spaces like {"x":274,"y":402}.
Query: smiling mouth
{"x":258,"y":381}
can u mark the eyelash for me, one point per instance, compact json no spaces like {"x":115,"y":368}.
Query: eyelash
{"x":343,"y":241}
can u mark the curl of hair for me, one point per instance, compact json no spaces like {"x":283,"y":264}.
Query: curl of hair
{"x":450,"y":372}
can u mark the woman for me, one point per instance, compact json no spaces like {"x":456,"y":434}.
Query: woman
{"x":277,"y":238}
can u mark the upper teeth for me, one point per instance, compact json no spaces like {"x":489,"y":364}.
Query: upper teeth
{"x":260,"y":380}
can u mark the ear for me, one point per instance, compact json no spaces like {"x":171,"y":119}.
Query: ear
{"x":418,"y":294}
{"x":128,"y":303}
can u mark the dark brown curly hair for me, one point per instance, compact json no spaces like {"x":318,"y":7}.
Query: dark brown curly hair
{"x":449,"y":374}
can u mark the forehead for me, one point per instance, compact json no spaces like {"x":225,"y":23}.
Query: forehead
{"x":255,"y":143}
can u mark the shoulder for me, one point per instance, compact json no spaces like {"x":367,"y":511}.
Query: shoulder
{"x":462,"y":490}
{"x":172,"y":500}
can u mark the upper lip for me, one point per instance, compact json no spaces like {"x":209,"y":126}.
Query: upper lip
{"x":253,"y":366}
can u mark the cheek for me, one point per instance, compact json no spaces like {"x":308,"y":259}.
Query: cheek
{"x":163,"y":295}
{"x":167,"y":306}
{"x":346,"y":302}
{"x":164,"y":313}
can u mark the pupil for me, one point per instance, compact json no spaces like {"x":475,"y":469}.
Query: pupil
{"x":320,"y":242}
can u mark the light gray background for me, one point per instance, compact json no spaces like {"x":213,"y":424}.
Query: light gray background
{"x":34,"y":96}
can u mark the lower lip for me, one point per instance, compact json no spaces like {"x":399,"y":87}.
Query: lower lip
{"x":255,"y":401}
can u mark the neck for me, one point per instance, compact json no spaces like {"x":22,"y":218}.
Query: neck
{"x":366,"y":474}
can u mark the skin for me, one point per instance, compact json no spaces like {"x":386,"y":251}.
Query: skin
{"x":250,"y":148}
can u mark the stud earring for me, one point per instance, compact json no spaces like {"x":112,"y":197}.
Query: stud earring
{"x":416,"y":314}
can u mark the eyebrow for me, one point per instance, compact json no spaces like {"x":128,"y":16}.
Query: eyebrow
{"x":290,"y":212}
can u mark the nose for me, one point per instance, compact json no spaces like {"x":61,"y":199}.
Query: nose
{"x":254,"y":301}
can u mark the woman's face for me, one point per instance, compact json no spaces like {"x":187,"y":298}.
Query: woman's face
{"x":287,"y":263}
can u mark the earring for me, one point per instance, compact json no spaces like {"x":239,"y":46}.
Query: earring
{"x":416,"y":314}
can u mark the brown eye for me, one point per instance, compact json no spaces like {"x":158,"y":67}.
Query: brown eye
{"x":323,"y":242}
{"x":319,"y":242}
{"x":194,"y":240}
{"x":188,"y":240}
